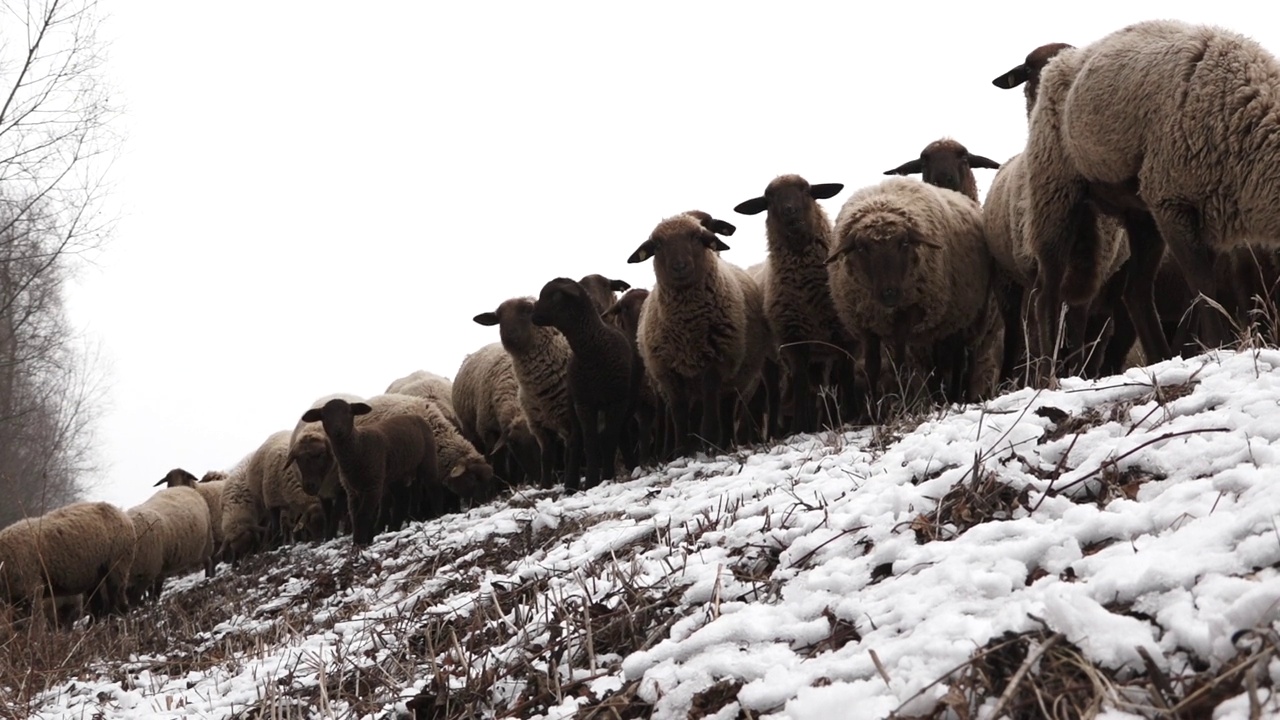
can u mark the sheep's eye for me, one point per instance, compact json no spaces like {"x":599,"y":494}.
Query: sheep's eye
{"x":904,"y":243}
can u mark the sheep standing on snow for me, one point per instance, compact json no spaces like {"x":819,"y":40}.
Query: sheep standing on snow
{"x":699,"y":335}
{"x":173,"y":526}
{"x":246,"y":524}
{"x":947,"y":164}
{"x":797,"y":295}
{"x":210,"y":488}
{"x":380,"y":465}
{"x":540,"y":358}
{"x":84,"y":548}
{"x":317,"y":471}
{"x":646,"y":400}
{"x":603,"y":291}
{"x":486,"y":396}
{"x":910,"y":267}
{"x":599,"y":377}
{"x":1193,"y":130}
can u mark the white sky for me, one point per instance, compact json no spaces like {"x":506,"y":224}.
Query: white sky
{"x":317,"y":197}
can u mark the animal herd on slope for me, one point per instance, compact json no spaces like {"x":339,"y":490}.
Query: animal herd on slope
{"x":1159,"y":134}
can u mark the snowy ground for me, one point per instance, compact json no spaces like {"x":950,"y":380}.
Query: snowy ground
{"x":1125,"y":529}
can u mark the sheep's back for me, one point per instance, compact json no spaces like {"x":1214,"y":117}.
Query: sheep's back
{"x":72,"y":543}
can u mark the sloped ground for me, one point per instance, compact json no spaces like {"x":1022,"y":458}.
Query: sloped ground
{"x":1107,"y":549}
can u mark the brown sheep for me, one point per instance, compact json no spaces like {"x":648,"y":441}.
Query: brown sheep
{"x":382,"y":465}
{"x":947,"y":164}
{"x":602,"y":290}
{"x":486,"y":396}
{"x":646,"y":400}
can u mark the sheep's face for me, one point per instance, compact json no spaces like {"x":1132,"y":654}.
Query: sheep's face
{"x":471,"y":480}
{"x":792,"y":205}
{"x":884,"y":256}
{"x":946,"y":164}
{"x":562,"y":302}
{"x":683,"y":250}
{"x":338,"y":417}
{"x":625,"y":314}
{"x":514,"y":319}
{"x":311,"y":455}
{"x":602,"y":291}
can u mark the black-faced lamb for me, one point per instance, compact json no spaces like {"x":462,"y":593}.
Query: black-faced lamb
{"x":702,"y":332}
{"x":540,"y":358}
{"x":646,"y":401}
{"x":84,"y":548}
{"x":796,"y":292}
{"x":948,"y":164}
{"x":910,"y":267}
{"x":603,"y":291}
{"x":1193,"y":131}
{"x":317,"y":471}
{"x":486,"y":396}
{"x":380,"y":464}
{"x":599,"y":376}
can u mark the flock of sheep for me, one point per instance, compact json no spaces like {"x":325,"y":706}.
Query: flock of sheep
{"x":1160,"y":133}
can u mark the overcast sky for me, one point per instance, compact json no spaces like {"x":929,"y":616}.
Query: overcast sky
{"x":317,"y":197}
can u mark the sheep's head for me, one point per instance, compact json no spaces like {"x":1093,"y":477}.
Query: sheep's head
{"x":309,"y":524}
{"x":337,"y":417}
{"x":683,"y":248}
{"x":177,"y":477}
{"x":310,"y":452}
{"x":472,"y":479}
{"x":519,"y":440}
{"x":625,"y":314}
{"x":514,"y":319}
{"x":602,"y":290}
{"x":946,"y":164}
{"x":1029,"y":72}
{"x":791,"y":202}
{"x":562,"y":302}
{"x":884,"y":250}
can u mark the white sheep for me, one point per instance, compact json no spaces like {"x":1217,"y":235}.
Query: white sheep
{"x":486,"y":396}
{"x":210,"y":488}
{"x":910,"y":267}
{"x":175,"y":521}
{"x":84,"y":548}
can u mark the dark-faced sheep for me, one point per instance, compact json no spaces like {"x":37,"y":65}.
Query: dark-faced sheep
{"x":84,"y":548}
{"x":699,"y":335}
{"x":540,"y":358}
{"x":910,"y":267}
{"x":796,"y":291}
{"x":603,"y":291}
{"x":648,"y":410}
{"x":947,"y":164}
{"x":380,"y":464}
{"x":317,"y":471}
{"x":1195,"y":131}
{"x":210,"y":488}
{"x":599,"y":376}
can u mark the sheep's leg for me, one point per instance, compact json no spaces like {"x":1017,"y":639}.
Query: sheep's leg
{"x":871,"y":366}
{"x":547,"y":457}
{"x":615,"y":418}
{"x":365,"y":509}
{"x":1146,"y":249}
{"x":710,"y":428}
{"x":771,"y":379}
{"x":573,"y":453}
{"x":800,"y":355}
{"x":1178,"y":225}
{"x":588,"y":431}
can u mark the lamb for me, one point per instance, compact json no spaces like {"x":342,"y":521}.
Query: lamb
{"x":702,"y":332}
{"x":379,"y":464}
{"x":910,"y":266}
{"x":540,"y":359}
{"x":84,"y":548}
{"x":174,"y":521}
{"x":210,"y":488}
{"x":317,"y":472}
{"x":599,"y":377}
{"x":947,"y":164}
{"x":436,"y":388}
{"x":797,"y":296}
{"x":1196,"y":134}
{"x":646,"y":401}
{"x":602,"y":290}
{"x":486,"y":395}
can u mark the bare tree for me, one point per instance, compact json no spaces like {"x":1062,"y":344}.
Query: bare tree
{"x":55,"y":149}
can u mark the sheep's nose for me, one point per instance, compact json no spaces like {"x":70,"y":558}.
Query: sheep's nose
{"x":890,"y":297}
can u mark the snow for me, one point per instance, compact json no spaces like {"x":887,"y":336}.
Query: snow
{"x":1174,"y":564}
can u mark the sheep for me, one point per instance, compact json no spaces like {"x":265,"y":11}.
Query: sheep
{"x":702,"y":332}
{"x":317,"y":472}
{"x":1028,"y":72}
{"x":602,"y":290}
{"x":246,"y":524}
{"x":283,"y":494}
{"x":460,"y":469}
{"x":599,"y":376}
{"x":910,"y":265}
{"x":486,"y":396}
{"x":436,"y":388}
{"x":540,"y":359}
{"x":176,"y":519}
{"x":797,"y":297}
{"x":646,"y":400}
{"x":947,"y":164}
{"x":210,"y":488}
{"x":377,"y":462}
{"x":1193,"y":132}
{"x":85,"y":548}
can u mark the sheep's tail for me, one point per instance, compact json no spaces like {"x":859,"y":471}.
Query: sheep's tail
{"x":1082,"y":279}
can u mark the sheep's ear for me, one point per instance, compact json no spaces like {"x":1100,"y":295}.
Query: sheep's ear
{"x":825,"y":191}
{"x":714,"y":243}
{"x":162,"y":481}
{"x":719,"y":227}
{"x":907,"y":168}
{"x":619,"y":285}
{"x":312,"y":415}
{"x":844,"y":248}
{"x":647,"y":249}
{"x":754,"y":206}
{"x":612,"y":310}
{"x":489,"y":318}
{"x":457,"y":470}
{"x":1012,"y":79}
{"x":359,"y":408}
{"x":978,"y":161}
